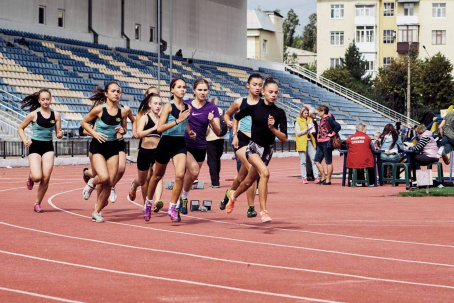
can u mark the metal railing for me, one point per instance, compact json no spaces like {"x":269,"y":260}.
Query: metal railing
{"x":351,"y":95}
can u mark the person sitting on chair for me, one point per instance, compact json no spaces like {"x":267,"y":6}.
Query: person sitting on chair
{"x":360,"y":147}
{"x":179,"y":53}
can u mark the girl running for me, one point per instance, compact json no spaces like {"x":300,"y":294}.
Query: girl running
{"x":241,"y":138}
{"x":40,"y":147}
{"x":172,"y":124}
{"x":203,"y":114}
{"x":110,"y":120}
{"x":266,"y":119}
{"x":149,"y":136}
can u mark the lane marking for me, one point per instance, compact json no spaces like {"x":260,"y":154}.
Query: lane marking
{"x":34,"y":294}
{"x":234,"y":261}
{"x":23,"y":187}
{"x":164,"y":278}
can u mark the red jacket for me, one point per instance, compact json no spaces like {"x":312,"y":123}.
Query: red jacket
{"x":359,"y":152}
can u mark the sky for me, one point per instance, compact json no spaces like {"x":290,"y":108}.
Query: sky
{"x":302,"y":8}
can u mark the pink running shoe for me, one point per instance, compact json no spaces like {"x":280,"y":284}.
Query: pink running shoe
{"x":172,"y":213}
{"x":264,"y":217}
{"x":147,"y":211}
{"x":37,"y":208}
{"x":317,"y":181}
{"x":305,"y":181}
{"x":30,"y":183}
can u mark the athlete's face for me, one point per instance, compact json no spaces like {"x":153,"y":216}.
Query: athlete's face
{"x":179,"y":89}
{"x":270,"y":92}
{"x":201,"y":92}
{"x":255,"y":86}
{"x":305,"y":114}
{"x":44,"y":99}
{"x":155,"y":104}
{"x":113,"y":93}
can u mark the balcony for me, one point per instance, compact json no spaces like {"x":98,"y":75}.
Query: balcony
{"x":402,"y":47}
{"x":407,"y":20}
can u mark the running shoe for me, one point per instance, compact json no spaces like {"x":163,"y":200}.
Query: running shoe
{"x":86,"y":178}
{"x":132,"y":192}
{"x":37,"y":208}
{"x":173,"y":214}
{"x":317,"y":180}
{"x":88,"y":189}
{"x":113,"y":195}
{"x":96,"y":217}
{"x":231,"y":204}
{"x":157,"y":206}
{"x":183,"y":206}
{"x":251,"y":213}
{"x":264,"y":217}
{"x":100,"y":212}
{"x":225,"y":200}
{"x":195,"y":181}
{"x":213,"y":186}
{"x":30,"y":183}
{"x":147,"y":211}
{"x":305,"y":181}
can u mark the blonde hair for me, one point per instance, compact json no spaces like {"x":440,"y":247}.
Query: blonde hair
{"x":420,"y":128}
{"x":303,"y":108}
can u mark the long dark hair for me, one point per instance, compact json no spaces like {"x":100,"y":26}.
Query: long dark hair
{"x":389,"y":129}
{"x":172,"y":85}
{"x":32,"y":100}
{"x":99,"y":96}
{"x":144,"y":106}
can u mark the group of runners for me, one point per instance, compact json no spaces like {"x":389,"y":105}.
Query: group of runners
{"x":174,"y":131}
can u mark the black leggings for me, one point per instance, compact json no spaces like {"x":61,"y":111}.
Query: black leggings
{"x":420,"y":160}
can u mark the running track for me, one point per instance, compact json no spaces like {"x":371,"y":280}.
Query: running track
{"x":326,"y":243}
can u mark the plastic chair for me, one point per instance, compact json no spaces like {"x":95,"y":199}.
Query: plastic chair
{"x":406,"y":179}
{"x":355,"y":179}
{"x":383,"y":171}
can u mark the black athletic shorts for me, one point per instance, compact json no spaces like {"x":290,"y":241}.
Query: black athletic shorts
{"x":265,"y":153}
{"x":243,"y":140}
{"x":168,"y":147}
{"x":40,"y":147}
{"x":198,"y":154}
{"x":106,"y":149}
{"x":121,"y":145}
{"x":146,"y":158}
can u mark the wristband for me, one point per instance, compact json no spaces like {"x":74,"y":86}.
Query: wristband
{"x":176,"y":122}
{"x":234,"y":133}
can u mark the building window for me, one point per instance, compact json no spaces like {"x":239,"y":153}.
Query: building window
{"x":137,"y":31}
{"x":388,"y":9}
{"x":388,"y":36}
{"x":364,"y":34}
{"x":337,"y":38}
{"x":439,"y":10}
{"x":337,"y":11}
{"x":387,"y":61}
{"x":152,"y":34}
{"x":42,"y":15}
{"x":408,"y":33}
{"x":409,"y":9}
{"x":365,"y":11}
{"x":335,"y":62}
{"x":370,"y":65}
{"x":439,"y":37}
{"x":61,"y":18}
{"x":265,"y":46}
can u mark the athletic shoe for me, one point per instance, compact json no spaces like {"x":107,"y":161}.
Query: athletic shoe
{"x":251,"y":213}
{"x":172,"y":213}
{"x":157,"y":206}
{"x":96,"y":217}
{"x":132,"y":192}
{"x":37,"y":208}
{"x":100,"y":212}
{"x":213,"y":186}
{"x":305,"y":181}
{"x":264,"y":217}
{"x":317,"y":180}
{"x":225,"y":200}
{"x":88,"y":189}
{"x":113,"y":195}
{"x":86,"y":178}
{"x":178,"y":216}
{"x":231,"y":204}
{"x":30,"y":183}
{"x":147,"y":211}
{"x":183,"y":206}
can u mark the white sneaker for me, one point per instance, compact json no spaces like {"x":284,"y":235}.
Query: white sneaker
{"x":96,"y":217}
{"x":113,"y":195}
{"x":88,"y":189}
{"x":100,"y":212}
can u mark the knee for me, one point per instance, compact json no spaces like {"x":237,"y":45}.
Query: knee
{"x":179,"y":176}
{"x":156,"y":177}
{"x":37,"y":177}
{"x":194,"y":170}
{"x":104,"y":179}
{"x":265,"y":175}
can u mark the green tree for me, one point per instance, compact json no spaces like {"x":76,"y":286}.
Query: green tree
{"x":354,"y":63}
{"x":309,"y":38}
{"x":339,"y":75}
{"x":289,"y":27}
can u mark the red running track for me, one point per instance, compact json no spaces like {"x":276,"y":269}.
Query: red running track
{"x":326,"y":243}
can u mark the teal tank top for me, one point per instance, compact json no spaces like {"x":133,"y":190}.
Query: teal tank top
{"x":246,"y":122}
{"x":42,"y":128}
{"x":179,"y":129}
{"x":107,"y":123}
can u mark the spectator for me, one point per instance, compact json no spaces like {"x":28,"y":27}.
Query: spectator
{"x":179,"y":53}
{"x":313,"y":116}
{"x":305,"y":142}
{"x":215,"y":148}
{"x":376,"y":140}
{"x":327,"y":128}
{"x":390,"y":142}
{"x":425,"y":152}
{"x":360,"y":147}
{"x":446,"y":129}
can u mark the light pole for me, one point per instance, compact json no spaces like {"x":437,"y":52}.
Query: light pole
{"x":408,"y":83}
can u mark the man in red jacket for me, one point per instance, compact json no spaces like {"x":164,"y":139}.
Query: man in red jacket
{"x":360,"y":148}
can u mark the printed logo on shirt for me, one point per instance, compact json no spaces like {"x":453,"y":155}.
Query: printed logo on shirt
{"x":198,"y":114}
{"x":118,"y":119}
{"x":52,"y":121}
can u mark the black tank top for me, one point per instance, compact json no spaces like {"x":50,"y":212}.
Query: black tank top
{"x":150,"y":124}
{"x":176,"y":112}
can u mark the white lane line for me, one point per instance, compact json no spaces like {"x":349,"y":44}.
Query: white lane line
{"x":23,"y":187}
{"x":33,"y":294}
{"x":234,"y":261}
{"x":280,"y":295}
{"x":253,"y":242}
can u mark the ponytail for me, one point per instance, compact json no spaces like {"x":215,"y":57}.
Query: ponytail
{"x":32,"y":101}
{"x":269,"y":80}
{"x":144,"y":106}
